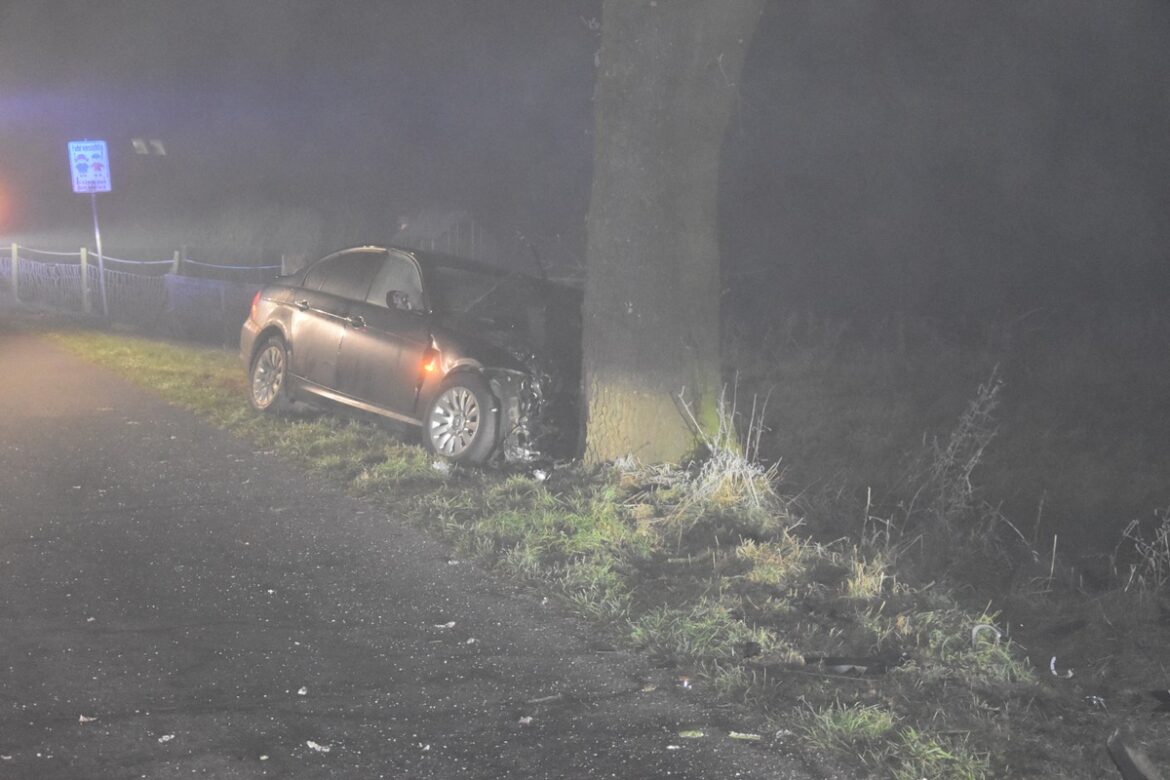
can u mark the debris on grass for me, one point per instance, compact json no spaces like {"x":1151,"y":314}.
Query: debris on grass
{"x":978,"y":629}
{"x":743,"y":736}
{"x":1131,"y":761}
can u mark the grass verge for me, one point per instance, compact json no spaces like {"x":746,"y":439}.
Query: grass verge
{"x":863,"y":647}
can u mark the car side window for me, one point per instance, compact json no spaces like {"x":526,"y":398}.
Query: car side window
{"x":397,"y":273}
{"x":346,"y":275}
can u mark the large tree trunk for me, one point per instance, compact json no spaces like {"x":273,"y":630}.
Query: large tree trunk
{"x":665,"y":89}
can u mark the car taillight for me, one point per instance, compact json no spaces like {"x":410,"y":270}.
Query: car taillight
{"x":430,"y":360}
{"x":255,"y":303}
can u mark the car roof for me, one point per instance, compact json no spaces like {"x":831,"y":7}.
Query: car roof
{"x":429,"y":259}
{"x":438,"y":259}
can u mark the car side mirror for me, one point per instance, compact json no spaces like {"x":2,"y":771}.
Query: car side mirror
{"x":397,"y":299}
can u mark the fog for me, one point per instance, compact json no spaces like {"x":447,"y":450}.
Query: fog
{"x":356,"y":113}
{"x":931,"y":157}
{"x":944,"y":156}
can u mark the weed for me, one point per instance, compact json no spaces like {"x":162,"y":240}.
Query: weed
{"x":952,"y":649}
{"x":853,"y":729}
{"x":726,"y":488}
{"x":1151,"y":570}
{"x":518,"y":492}
{"x":396,"y":465}
{"x":920,"y":755}
{"x":778,"y":562}
{"x":731,"y":473}
{"x":731,"y":682}
{"x":596,"y":588}
{"x":942,"y":475}
{"x":872,"y":732}
{"x":707,"y":631}
{"x":524,"y":562}
{"x":867,"y":577}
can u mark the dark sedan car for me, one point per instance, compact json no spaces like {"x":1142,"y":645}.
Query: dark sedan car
{"x":483,"y":360}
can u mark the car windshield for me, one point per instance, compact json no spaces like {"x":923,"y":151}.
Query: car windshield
{"x":465,"y":294}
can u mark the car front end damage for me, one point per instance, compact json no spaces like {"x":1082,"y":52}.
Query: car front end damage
{"x":521,"y":397}
{"x":538,"y":410}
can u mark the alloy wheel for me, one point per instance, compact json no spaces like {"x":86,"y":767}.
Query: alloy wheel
{"x":268,"y":375}
{"x":454,"y":421}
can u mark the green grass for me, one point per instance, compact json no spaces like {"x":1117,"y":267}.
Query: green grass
{"x":875,"y":734}
{"x":864,"y":730}
{"x":706,"y":631}
{"x":717,"y":574}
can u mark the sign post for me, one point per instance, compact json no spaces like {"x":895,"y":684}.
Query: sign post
{"x":89,"y":165}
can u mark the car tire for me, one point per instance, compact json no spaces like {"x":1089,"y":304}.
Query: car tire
{"x":268,"y":377}
{"x":462,"y":422}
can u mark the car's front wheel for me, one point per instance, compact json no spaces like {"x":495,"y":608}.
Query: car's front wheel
{"x":267,"y":381}
{"x":461,"y":423}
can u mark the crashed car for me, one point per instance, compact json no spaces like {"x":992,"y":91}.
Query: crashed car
{"x":483,"y":360}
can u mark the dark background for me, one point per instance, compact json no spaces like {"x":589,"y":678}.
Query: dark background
{"x":947,"y":157}
{"x":938,"y":158}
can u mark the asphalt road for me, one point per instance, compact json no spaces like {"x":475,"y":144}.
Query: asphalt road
{"x":175,"y":604}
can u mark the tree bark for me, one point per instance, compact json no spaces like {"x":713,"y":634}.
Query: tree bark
{"x":665,"y":89}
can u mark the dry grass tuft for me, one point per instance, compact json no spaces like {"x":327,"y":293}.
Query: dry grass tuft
{"x":1151,"y":570}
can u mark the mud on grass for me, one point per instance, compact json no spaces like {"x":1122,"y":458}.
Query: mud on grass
{"x":843,"y":648}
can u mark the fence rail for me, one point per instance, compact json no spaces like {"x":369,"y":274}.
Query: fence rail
{"x":210,"y":305}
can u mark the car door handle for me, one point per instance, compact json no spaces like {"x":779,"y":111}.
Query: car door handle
{"x":303,"y":305}
{"x":357,"y":321}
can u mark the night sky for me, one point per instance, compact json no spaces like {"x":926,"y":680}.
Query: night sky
{"x":929,"y":156}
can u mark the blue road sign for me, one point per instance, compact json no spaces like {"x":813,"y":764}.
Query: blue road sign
{"x":90,"y":166}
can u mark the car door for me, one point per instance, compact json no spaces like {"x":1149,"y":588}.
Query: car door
{"x":383,"y":348}
{"x":323,"y":302}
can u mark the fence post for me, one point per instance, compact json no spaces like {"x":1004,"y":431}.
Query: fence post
{"x":15,"y":270}
{"x":85,"y":305}
{"x":176,"y":262}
